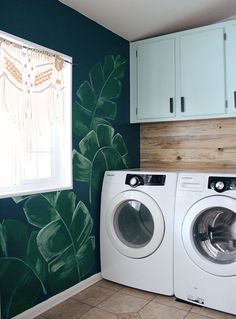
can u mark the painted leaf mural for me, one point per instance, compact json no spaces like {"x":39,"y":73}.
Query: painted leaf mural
{"x":99,"y":150}
{"x":64,"y":240}
{"x":97,"y":96}
{"x":22,"y":269}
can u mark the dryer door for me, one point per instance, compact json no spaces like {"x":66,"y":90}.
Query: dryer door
{"x":209,"y":235}
{"x":135,"y":224}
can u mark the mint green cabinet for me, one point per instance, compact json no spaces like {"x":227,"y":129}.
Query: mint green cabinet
{"x":185,"y":75}
{"x":230,"y":43}
{"x":155,"y":80}
{"x":201,"y":72}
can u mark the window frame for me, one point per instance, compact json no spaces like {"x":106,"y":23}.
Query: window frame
{"x":55,"y":182}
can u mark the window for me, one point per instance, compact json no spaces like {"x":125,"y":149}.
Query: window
{"x":35,"y":118}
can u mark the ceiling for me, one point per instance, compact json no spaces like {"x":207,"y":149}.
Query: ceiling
{"x":139,"y":19}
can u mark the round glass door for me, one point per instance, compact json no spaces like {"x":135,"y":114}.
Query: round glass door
{"x":209,"y":234}
{"x":135,"y":224}
{"x":214,"y":235}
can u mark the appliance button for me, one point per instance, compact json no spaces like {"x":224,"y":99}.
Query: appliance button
{"x":219,"y":186}
{"x":134,"y":181}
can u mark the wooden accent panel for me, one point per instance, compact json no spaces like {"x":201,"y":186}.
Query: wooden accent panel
{"x":198,"y":145}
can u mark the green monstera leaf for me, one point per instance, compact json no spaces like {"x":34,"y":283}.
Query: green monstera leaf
{"x":100,"y":150}
{"x":64,"y":240}
{"x":23,"y":271}
{"x":96,"y":103}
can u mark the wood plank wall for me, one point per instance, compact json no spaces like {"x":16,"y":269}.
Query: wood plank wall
{"x":198,"y":145}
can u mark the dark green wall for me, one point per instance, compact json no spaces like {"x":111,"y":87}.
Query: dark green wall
{"x":36,"y":258}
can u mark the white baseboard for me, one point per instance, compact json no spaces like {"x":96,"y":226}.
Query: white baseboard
{"x":55,"y":300}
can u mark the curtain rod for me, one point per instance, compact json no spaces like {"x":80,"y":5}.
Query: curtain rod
{"x":36,"y":49}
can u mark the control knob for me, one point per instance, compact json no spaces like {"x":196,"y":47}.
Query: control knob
{"x":219,"y":186}
{"x":134,"y":181}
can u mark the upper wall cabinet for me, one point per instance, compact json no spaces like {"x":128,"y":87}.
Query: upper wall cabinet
{"x":201,"y":84}
{"x":185,"y":75}
{"x":155,"y":79}
{"x":230,"y":44}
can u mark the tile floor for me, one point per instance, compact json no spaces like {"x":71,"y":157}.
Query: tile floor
{"x":107,"y":300}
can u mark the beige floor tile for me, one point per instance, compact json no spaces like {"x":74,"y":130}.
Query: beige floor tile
{"x":171,"y":301}
{"x":212,"y":313}
{"x":131,"y":315}
{"x":68,"y":309}
{"x":96,"y":313}
{"x":192,"y":315}
{"x":109,"y":284}
{"x":157,"y":311}
{"x":122,"y":303}
{"x":138,"y":293}
{"x":93,"y":295}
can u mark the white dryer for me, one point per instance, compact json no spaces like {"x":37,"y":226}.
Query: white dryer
{"x":136,"y":233}
{"x":205,"y":240}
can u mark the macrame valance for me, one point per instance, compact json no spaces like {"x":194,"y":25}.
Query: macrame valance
{"x":31,"y":89}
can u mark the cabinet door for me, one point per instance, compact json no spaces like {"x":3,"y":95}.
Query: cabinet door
{"x":231,"y":67}
{"x":202,"y":74}
{"x":156,"y":80}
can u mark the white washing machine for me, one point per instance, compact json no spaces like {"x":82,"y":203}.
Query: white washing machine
{"x":205,"y":240}
{"x":136,"y":233}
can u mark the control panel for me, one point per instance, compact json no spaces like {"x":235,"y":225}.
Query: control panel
{"x":135,"y":180}
{"x":222,"y":184}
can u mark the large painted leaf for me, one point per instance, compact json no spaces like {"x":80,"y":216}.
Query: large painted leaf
{"x":13,"y":238}
{"x":23,"y":271}
{"x":3,"y":243}
{"x":15,"y":242}
{"x":50,"y":196}
{"x":35,"y":259}
{"x":20,"y":287}
{"x":62,"y":240}
{"x":99,"y":151}
{"x":64,"y":269}
{"x":96,"y":103}
{"x":18,"y":199}
{"x":38,"y":210}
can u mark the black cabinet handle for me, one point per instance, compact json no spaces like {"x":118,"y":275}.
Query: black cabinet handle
{"x":171,"y":105}
{"x":182,"y":104}
{"x":235,"y":99}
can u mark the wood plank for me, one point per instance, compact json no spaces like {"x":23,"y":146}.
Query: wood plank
{"x":199,"y":145}
{"x":189,"y":142}
{"x":183,"y":128}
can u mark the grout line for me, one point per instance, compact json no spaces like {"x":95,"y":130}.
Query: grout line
{"x":106,"y":310}
{"x":204,"y":316}
{"x":130,"y":294}
{"x":95,"y":306}
{"x":121,"y":286}
{"x":173,"y":306}
{"x":189,"y":311}
{"x":145,"y":305}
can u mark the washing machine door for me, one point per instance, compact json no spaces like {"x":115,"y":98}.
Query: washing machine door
{"x":209,"y":235}
{"x":135,"y":224}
